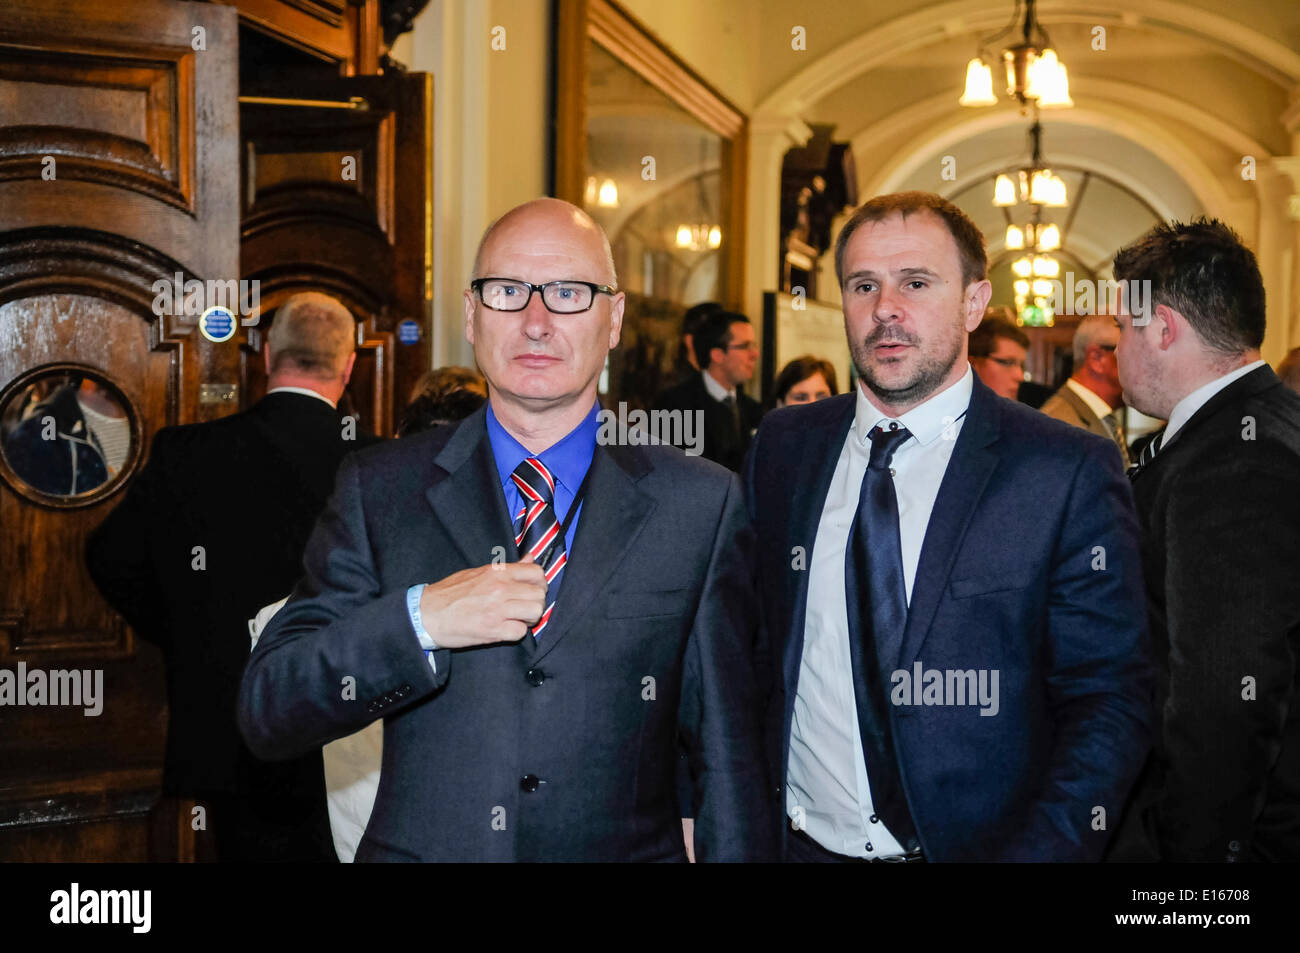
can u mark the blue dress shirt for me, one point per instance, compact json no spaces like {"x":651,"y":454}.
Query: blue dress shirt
{"x":568,"y":460}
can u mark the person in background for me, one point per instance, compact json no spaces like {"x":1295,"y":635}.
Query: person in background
{"x":688,"y":365}
{"x":1289,"y":370}
{"x":1218,"y":501}
{"x":442,"y":396}
{"x":1092,"y":398}
{"x":728,"y":353}
{"x":804,"y":380}
{"x":212,"y":529}
{"x":998,"y":349}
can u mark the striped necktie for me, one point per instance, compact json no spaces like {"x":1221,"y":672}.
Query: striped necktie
{"x":538,"y":534}
{"x":1147,"y":455}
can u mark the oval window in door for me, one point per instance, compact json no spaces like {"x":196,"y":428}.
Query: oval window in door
{"x":68,"y":435}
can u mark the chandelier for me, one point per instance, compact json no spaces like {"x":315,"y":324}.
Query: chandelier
{"x":1034,"y":73}
{"x":703,"y":234}
{"x":1035,"y":184}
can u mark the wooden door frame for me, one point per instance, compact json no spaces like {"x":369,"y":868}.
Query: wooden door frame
{"x":628,"y":41}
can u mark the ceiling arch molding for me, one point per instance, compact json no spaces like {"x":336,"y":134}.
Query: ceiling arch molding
{"x":904,"y":36}
{"x":1122,"y":121}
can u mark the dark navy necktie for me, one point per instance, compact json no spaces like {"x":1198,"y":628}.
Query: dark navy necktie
{"x":538,"y":532}
{"x":877,"y":610}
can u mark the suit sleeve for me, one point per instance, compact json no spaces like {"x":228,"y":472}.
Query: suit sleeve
{"x":119,"y":553}
{"x":719,"y":718}
{"x":342,"y":653}
{"x":1232,"y":604}
{"x":1099,"y":676}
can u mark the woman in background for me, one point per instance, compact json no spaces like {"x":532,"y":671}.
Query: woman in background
{"x":804,"y":380}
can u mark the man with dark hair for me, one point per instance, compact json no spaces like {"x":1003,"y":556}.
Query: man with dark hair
{"x":210,"y":531}
{"x":962,"y":676}
{"x":727,"y":354}
{"x":1218,"y":497}
{"x":997,"y":350}
{"x":688,"y":363}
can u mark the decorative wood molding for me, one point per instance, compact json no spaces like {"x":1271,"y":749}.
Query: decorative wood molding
{"x":638,"y":49}
{"x":608,"y":24}
{"x":158,"y":80}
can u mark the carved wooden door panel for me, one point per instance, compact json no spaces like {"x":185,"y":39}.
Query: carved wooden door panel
{"x":339,"y":200}
{"x":118,"y":170}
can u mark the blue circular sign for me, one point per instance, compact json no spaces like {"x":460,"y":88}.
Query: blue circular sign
{"x":218,"y":324}
{"x":408,"y":332}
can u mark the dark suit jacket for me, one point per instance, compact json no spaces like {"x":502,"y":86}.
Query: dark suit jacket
{"x":723,"y":442}
{"x":1006,"y":582}
{"x":247,"y":489}
{"x":1219,"y":508}
{"x":652,"y":633}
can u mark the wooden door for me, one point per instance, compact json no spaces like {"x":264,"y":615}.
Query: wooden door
{"x":339,"y":200}
{"x":118,"y":170}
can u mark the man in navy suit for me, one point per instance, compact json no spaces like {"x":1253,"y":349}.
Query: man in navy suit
{"x":950,"y":585}
{"x":538,"y":615}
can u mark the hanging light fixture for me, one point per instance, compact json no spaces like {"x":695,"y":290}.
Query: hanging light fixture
{"x":1034,"y":72}
{"x":703,"y":235}
{"x":1036,"y":184}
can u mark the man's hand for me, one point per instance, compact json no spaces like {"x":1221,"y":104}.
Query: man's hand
{"x":481,"y":606}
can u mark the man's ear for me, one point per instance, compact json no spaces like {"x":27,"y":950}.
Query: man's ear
{"x":616,"y":305}
{"x":266,"y":357}
{"x":347,"y":369}
{"x":469,"y":316}
{"x":1169,"y":325}
{"x":977,"y":300}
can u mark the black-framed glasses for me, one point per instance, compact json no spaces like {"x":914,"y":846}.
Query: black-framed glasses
{"x":560,"y":297}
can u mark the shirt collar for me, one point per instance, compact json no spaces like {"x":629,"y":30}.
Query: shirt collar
{"x":716,"y":390}
{"x":1189,"y":405}
{"x":926,"y":421}
{"x":1091,"y":398}
{"x":301,"y":390}
{"x":568,"y":459}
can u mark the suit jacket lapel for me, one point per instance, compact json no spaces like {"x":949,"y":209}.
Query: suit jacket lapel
{"x":468,"y":501}
{"x":969,"y":469}
{"x":819,"y":456}
{"x":614,"y":512}
{"x":1086,"y":415}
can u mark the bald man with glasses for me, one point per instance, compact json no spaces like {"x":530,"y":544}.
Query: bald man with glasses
{"x":538,"y":617}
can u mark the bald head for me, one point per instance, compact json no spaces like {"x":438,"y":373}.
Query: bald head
{"x":544,"y":225}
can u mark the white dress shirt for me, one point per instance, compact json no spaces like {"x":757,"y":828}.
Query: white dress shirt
{"x":305,"y":391}
{"x":1089,"y":397}
{"x":1189,"y":405}
{"x":716,"y":390}
{"x":827,"y":789}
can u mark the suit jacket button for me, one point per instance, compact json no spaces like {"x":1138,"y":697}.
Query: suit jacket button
{"x":529,"y":783}
{"x":535,"y":676}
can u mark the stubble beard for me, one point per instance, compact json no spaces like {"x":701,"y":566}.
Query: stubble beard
{"x":929,"y":373}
